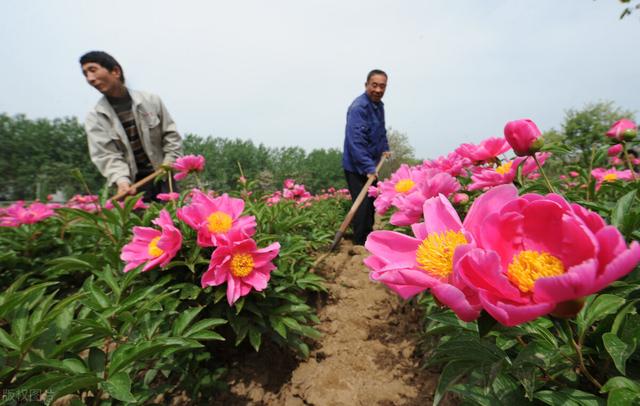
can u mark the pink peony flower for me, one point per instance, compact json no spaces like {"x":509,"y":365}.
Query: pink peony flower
{"x":409,"y":265}
{"x":454,"y":164}
{"x":152,"y":246}
{"x":138,"y":205}
{"x":187,"y":164}
{"x":610,"y":175}
{"x":88,"y":203}
{"x":623,"y":130}
{"x":216,"y":219}
{"x":487,"y":151}
{"x":574,"y":174}
{"x":288,"y":183}
{"x":274,"y":198}
{"x":536,"y":252}
{"x":373,"y":191}
{"x":410,"y":205}
{"x":402,"y":182}
{"x":505,"y":173}
{"x":17,"y":214}
{"x":614,"y":150}
{"x":167,"y":197}
{"x":242,"y":265}
{"x":523,"y":136}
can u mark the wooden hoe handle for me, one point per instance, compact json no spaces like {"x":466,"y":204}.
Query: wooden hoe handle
{"x":139,"y":183}
{"x":356,"y":205}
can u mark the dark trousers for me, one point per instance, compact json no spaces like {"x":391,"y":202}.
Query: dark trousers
{"x":362,"y":223}
{"x":152,"y":188}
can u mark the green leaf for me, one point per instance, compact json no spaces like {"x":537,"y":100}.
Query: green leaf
{"x":450,"y":374}
{"x":184,"y":319}
{"x":98,"y":296}
{"x":8,"y":341}
{"x":568,"y":397}
{"x":202,"y":325}
{"x":119,"y":387}
{"x":206,"y":335}
{"x":19,"y":324}
{"x":44,"y":380}
{"x":601,"y":307}
{"x":620,"y":317}
{"x":74,"y":365}
{"x":126,"y":354}
{"x":291,"y":323}
{"x":278,"y":326}
{"x":618,"y":350}
{"x":622,"y":209}
{"x":239,"y":305}
{"x":218,"y":295}
{"x":623,"y":397}
{"x":97,"y":359}
{"x":78,"y":383}
{"x":69,"y":263}
{"x":620,"y":382}
{"x":255,"y":339}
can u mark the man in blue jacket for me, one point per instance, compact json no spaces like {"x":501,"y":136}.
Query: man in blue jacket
{"x":365,"y":142}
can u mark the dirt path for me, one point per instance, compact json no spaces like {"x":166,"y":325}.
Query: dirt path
{"x":365,"y":356}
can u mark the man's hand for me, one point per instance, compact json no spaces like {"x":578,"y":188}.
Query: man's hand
{"x":386,"y":154}
{"x":126,"y":188}
{"x":374,"y":175}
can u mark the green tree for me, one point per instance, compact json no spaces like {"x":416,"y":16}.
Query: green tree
{"x":584,"y":130}
{"x":39,"y":156}
{"x":401,"y":153}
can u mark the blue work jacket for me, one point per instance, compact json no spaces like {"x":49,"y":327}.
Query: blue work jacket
{"x":365,"y":136}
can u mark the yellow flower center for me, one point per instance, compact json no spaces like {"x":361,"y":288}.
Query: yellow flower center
{"x":435,"y":253}
{"x":404,"y":185}
{"x":241,"y":265}
{"x":504,"y":168}
{"x":609,"y":177}
{"x":528,"y":266}
{"x":219,"y":222}
{"x":153,"y":249}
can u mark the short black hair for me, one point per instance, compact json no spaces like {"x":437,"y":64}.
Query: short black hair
{"x":103,"y":59}
{"x":376,"y":72}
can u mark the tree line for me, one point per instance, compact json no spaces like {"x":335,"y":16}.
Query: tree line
{"x":42,"y":156}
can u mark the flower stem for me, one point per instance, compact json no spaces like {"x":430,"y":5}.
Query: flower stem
{"x":544,"y":175}
{"x":578,"y":350}
{"x":626,"y":158}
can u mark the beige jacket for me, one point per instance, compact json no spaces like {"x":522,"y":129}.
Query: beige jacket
{"x":109,"y":146}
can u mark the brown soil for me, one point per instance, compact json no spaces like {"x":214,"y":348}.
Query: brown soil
{"x":364,"y":357}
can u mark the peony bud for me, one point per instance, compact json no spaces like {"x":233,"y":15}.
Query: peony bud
{"x":623,"y":130}
{"x":614,"y":150}
{"x":523,"y":136}
{"x":460,"y":198}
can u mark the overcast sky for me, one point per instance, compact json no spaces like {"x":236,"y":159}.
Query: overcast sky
{"x":283,"y":72}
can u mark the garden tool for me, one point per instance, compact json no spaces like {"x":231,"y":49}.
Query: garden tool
{"x":141,"y":182}
{"x":356,"y":205}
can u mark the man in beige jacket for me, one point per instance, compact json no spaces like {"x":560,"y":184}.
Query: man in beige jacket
{"x":130,"y":133}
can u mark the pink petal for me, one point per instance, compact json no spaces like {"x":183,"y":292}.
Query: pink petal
{"x":574,"y":283}
{"x":406,"y":282}
{"x":393,"y":247}
{"x":440,"y":216}
{"x":453,"y":297}
{"x":512,"y":315}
